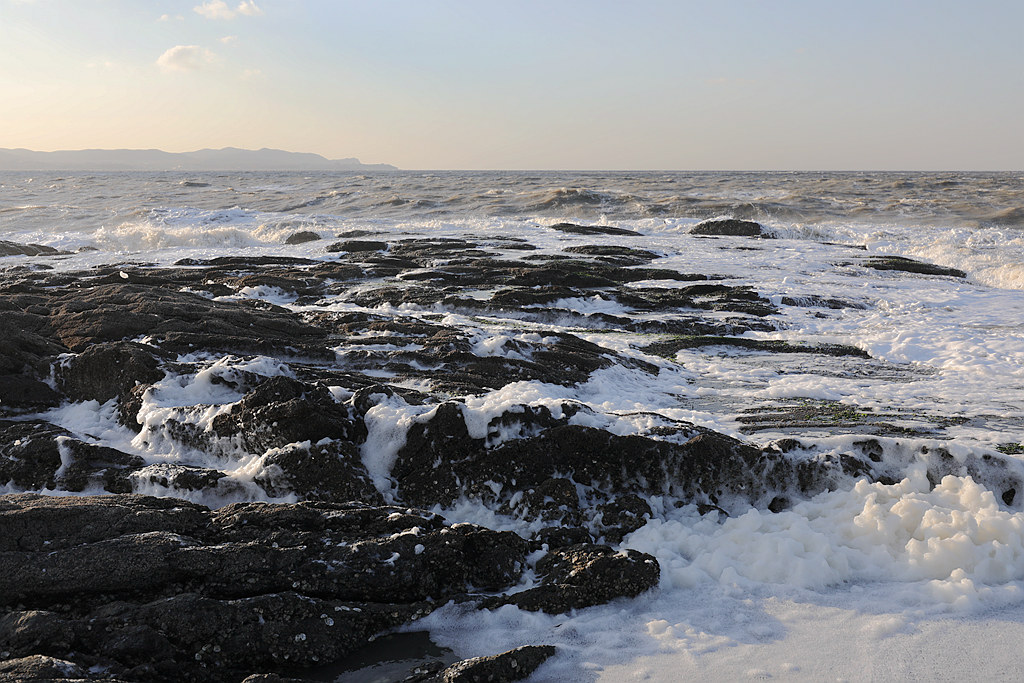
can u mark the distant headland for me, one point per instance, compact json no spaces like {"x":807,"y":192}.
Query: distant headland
{"x":226,"y":159}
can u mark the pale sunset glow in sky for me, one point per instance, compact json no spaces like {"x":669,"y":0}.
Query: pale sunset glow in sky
{"x":553,"y":84}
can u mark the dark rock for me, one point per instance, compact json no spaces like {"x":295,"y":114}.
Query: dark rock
{"x":583,"y":576}
{"x":35,"y":523}
{"x":404,"y":567}
{"x":553,"y":499}
{"x":19,"y":394}
{"x":247,"y":262}
{"x":514,"y":665}
{"x":730,"y":226}
{"x":182,"y":477}
{"x":15,"y":249}
{"x":517,"y":297}
{"x":330,"y":472}
{"x":561,"y":536}
{"x":670,"y":347}
{"x":129,"y":405}
{"x":815,"y":301}
{"x":302,"y":237}
{"x":358,"y":245}
{"x":641,"y":255}
{"x":178,"y":322}
{"x":575,"y":229}
{"x":283,"y":411}
{"x":439,"y":458}
{"x":443,"y":464}
{"x":623,"y":515}
{"x":29,"y":454}
{"x":261,"y":632}
{"x":25,"y":355}
{"x":907,"y":265}
{"x":107,"y":370}
{"x":40,"y":668}
{"x":86,"y":465}
{"x":300,"y":283}
{"x":711,"y":296}
{"x":162,"y":589}
{"x":430,"y":249}
{"x":447,"y":360}
{"x":37,"y":455}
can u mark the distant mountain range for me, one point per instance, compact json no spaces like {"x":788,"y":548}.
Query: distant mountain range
{"x":227,"y":159}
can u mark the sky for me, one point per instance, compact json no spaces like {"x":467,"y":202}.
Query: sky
{"x":524,"y":84}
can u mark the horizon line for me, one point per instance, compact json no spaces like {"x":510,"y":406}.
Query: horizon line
{"x":457,"y":170}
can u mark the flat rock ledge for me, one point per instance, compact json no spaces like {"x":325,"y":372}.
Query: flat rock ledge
{"x":136,"y":588}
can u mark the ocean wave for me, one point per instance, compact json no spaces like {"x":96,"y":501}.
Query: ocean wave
{"x":567,"y":198}
{"x":136,"y":238}
{"x":1013,"y":216}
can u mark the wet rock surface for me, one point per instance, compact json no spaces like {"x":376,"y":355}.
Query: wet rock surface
{"x":162,"y":589}
{"x":731,"y":227}
{"x":907,"y":265}
{"x":354,"y":391}
{"x":514,"y":665}
{"x":8,"y":248}
{"x":585,"y":575}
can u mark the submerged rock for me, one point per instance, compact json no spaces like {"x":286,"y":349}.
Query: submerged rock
{"x":907,"y":265}
{"x":730,"y":226}
{"x":577,"y":229}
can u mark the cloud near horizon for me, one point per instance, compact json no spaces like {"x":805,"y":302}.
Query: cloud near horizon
{"x":218,"y":9}
{"x":185,"y":58}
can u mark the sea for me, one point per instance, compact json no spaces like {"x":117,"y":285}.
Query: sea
{"x":913,"y":580}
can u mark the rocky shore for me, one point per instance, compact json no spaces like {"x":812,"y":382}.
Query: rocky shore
{"x":351,"y":415}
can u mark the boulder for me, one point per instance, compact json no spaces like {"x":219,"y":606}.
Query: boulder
{"x":15,"y":249}
{"x":302,"y":237}
{"x":584,"y":575}
{"x":332,"y":472}
{"x":108,"y":370}
{"x":281,"y":411}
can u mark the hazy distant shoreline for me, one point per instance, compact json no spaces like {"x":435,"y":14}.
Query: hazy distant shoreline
{"x":226,"y":159}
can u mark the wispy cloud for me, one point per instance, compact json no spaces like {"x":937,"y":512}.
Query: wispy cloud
{"x":185,"y":58}
{"x":249,"y":8}
{"x":218,"y":9}
{"x":169,"y":17}
{"x":229,"y":40}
